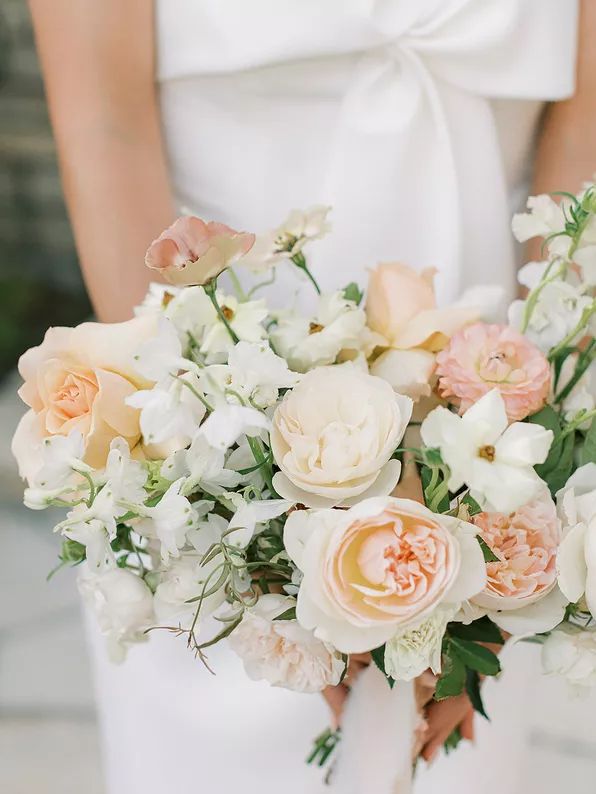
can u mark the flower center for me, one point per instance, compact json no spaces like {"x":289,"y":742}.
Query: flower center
{"x":315,"y":328}
{"x":487,"y":452}
{"x":227,"y":313}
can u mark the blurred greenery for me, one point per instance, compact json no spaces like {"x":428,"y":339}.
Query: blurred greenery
{"x":40,"y":284}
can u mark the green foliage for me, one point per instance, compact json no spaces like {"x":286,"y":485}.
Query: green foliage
{"x":558,"y":466}
{"x":476,"y":656}
{"x":452,"y":741}
{"x":453,"y":676}
{"x":588,"y":453}
{"x":473,"y":691}
{"x":289,"y":614}
{"x":487,"y":552}
{"x":378,"y":657}
{"x":461,"y":657}
{"x":472,"y":505}
{"x":72,"y":552}
{"x":353,"y":293}
{"x":434,"y":476}
{"x":481,"y":630}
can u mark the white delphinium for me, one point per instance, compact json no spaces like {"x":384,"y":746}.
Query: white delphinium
{"x":483,"y":451}
{"x":61,"y":468}
{"x":582,"y":396}
{"x":281,"y":651}
{"x":257,"y":374}
{"x":160,"y":357}
{"x":570,"y":652}
{"x":412,"y":651}
{"x":168,"y":521}
{"x":228,"y":423}
{"x":183,"y":580}
{"x":249,"y":516}
{"x":338,"y":325}
{"x":123,"y":605}
{"x":557,"y":309}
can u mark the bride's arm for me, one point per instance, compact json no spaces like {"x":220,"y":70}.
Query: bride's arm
{"x":98,"y":64}
{"x":566,"y":154}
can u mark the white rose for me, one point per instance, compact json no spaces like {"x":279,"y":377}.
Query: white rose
{"x":409,"y":653}
{"x":334,"y":434}
{"x":576,"y":560}
{"x":281,"y":651}
{"x":571,"y":653}
{"x":123,"y":605}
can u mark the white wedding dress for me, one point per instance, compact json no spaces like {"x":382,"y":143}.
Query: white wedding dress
{"x":415,"y":120}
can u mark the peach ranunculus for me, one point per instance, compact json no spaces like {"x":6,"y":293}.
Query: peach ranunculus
{"x":192,"y":251}
{"x":483,"y":357}
{"x":379,"y":567}
{"x":77,"y":380}
{"x":401,"y":306}
{"x":526,"y":543}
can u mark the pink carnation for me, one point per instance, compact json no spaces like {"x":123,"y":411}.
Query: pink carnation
{"x":483,"y":357}
{"x":526,"y":544}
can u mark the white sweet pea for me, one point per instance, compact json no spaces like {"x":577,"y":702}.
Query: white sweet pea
{"x":583,"y":395}
{"x":228,"y":423}
{"x":202,"y":465}
{"x":412,"y":651}
{"x":191,"y":312}
{"x":576,"y":561}
{"x":265,"y":253}
{"x":282,"y":652}
{"x":170,"y":410}
{"x":246,"y":320}
{"x":302,"y":226}
{"x":247,"y":518}
{"x":61,"y":456}
{"x":94,"y":535}
{"x":338,"y":325}
{"x":161,"y":356}
{"x":169,"y":521}
{"x":257,"y":374}
{"x":494,"y":459}
{"x":123,"y":605}
{"x":545,"y":217}
{"x":570,"y":652}
{"x":557,"y":311}
{"x":185,"y":579}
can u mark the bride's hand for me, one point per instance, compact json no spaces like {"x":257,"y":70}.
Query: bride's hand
{"x":442,"y":718}
{"x":336,"y":696}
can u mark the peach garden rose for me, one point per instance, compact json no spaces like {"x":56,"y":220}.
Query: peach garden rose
{"x":192,"y":251}
{"x":379,"y":567}
{"x":483,"y":357}
{"x":78,"y":380}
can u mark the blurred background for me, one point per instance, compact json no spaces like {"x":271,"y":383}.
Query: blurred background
{"x":48,"y":735}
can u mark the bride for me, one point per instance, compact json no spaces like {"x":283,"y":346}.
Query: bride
{"x":419,"y":121}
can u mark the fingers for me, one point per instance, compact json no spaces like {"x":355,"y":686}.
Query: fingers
{"x":443,"y":717}
{"x":336,"y":697}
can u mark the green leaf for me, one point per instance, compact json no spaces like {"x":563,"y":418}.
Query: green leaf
{"x":432,"y":479}
{"x":432,"y":457}
{"x":289,"y":614}
{"x":453,"y":677}
{"x":481,"y":630}
{"x":452,"y":741}
{"x":378,"y":657}
{"x":475,"y":656}
{"x":472,"y":505}
{"x":557,"y":468}
{"x":353,"y":293}
{"x":473,"y":690}
{"x":487,"y":552}
{"x":588,"y":454}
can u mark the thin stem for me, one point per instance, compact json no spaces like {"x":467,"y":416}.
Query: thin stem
{"x":210,"y":291}
{"x":583,"y":416}
{"x":197,"y":394}
{"x":300,"y":261}
{"x":585,"y":358}
{"x":582,"y":322}
{"x":240,"y":294}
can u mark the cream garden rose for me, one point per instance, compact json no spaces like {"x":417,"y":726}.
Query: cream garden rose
{"x":78,"y":380}
{"x":282,"y":652}
{"x":334,"y":434}
{"x":378,"y":568}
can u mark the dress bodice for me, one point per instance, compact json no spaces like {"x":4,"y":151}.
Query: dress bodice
{"x":413,"y":118}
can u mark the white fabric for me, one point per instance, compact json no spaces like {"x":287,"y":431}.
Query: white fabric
{"x":415,"y":120}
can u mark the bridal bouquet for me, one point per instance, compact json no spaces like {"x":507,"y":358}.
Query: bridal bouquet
{"x":376,"y":474}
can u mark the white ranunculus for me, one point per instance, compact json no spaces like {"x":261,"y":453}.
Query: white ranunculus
{"x":281,"y":651}
{"x":570,"y":652}
{"x":334,"y":435}
{"x":576,"y":560}
{"x":122,"y":603}
{"x":407,"y":371}
{"x":338,"y":325}
{"x":494,"y":459}
{"x":412,"y":651}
